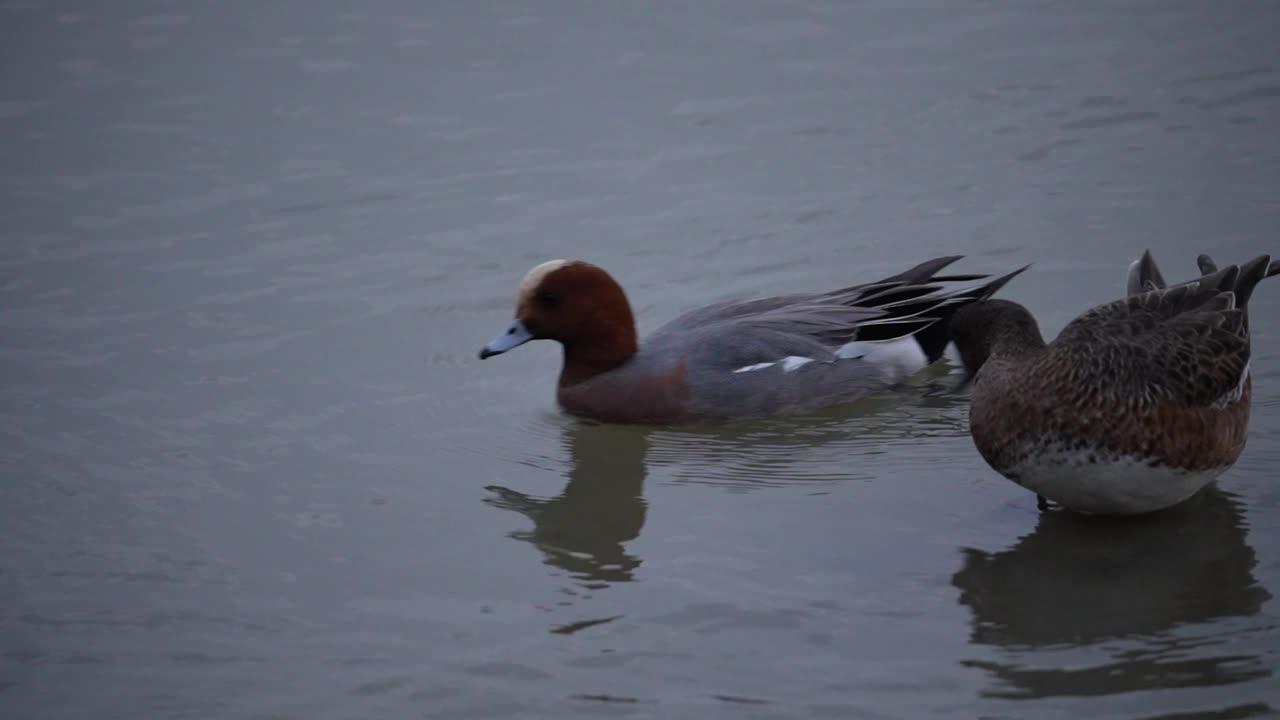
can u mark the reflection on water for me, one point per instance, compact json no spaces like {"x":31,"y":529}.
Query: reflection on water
{"x":1131,"y":589}
{"x":818,"y":448}
{"x":583,"y":529}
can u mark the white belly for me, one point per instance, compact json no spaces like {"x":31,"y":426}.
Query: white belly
{"x":1121,"y":485}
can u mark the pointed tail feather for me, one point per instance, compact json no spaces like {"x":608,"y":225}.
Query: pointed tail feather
{"x":1251,"y":273}
{"x":1144,"y":275}
{"x":922,"y":272}
{"x":960,"y":278}
{"x":935,"y":337}
{"x":994,"y":286}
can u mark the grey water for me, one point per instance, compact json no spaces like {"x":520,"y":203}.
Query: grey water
{"x":251,"y":467}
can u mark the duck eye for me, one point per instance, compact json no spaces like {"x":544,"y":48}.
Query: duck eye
{"x":549,"y":299}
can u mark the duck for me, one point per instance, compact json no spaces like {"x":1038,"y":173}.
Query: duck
{"x":1134,"y":407}
{"x":761,"y":357}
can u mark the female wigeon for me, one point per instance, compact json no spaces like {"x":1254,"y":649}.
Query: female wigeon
{"x":761,"y":357}
{"x":1134,"y":407}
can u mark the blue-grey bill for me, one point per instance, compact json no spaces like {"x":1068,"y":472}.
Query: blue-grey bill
{"x":515,"y":335}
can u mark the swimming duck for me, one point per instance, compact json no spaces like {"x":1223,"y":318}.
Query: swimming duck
{"x":762,"y":357}
{"x":1134,"y":407}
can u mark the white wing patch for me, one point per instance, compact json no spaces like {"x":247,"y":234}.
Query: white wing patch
{"x":792,"y":362}
{"x":788,"y":363}
{"x":901,"y":357}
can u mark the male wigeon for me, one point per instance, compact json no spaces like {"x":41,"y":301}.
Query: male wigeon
{"x":762,"y":357}
{"x":1134,"y":407}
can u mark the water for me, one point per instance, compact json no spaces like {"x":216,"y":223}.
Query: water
{"x":252,"y":468}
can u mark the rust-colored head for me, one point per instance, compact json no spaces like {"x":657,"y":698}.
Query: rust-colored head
{"x":578,"y":305}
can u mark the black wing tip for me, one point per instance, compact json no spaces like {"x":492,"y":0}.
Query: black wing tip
{"x":923,"y":272}
{"x":993,"y":287}
{"x":935,"y":337}
{"x":960,"y":278}
{"x":944,"y":260}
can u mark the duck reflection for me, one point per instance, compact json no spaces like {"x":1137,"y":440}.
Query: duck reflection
{"x":857,"y":441}
{"x":1079,"y":581}
{"x":584,"y":529}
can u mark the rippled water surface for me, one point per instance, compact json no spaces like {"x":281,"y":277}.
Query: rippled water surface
{"x":252,"y":468}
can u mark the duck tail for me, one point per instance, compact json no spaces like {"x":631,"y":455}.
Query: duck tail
{"x":1252,"y":273}
{"x":935,"y":337}
{"x":921,"y":273}
{"x":1144,"y":275}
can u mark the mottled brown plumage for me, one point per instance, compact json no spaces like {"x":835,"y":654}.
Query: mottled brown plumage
{"x":1134,"y":406}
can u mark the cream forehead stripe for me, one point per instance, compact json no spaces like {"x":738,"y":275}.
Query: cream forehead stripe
{"x":534,"y":277}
